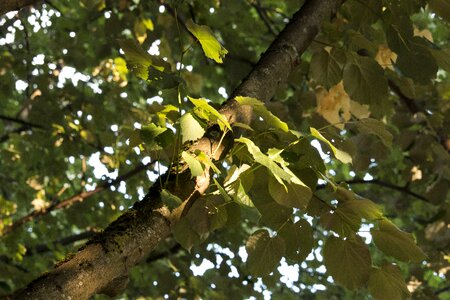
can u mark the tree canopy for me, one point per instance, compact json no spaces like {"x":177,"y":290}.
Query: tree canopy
{"x":182,"y":149}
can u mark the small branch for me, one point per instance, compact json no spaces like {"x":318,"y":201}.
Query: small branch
{"x":264,"y":17}
{"x":80,"y":197}
{"x":19,"y":121}
{"x":383,"y":184}
{"x":157,"y":256}
{"x":410,"y":103}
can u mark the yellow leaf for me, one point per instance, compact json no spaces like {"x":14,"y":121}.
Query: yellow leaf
{"x":334,"y":105}
{"x":385,"y":57}
{"x":423,"y":33}
{"x":211,"y":46}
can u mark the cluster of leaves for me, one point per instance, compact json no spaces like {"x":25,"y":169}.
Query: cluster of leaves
{"x":265,"y":192}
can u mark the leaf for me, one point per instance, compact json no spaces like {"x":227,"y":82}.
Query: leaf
{"x":442,"y":57}
{"x":299,"y":240}
{"x":191,"y":130}
{"x":194,"y":165}
{"x":396,"y":243}
{"x":209,"y":113}
{"x":334,"y":105}
{"x":204,"y":159}
{"x":140,"y":61}
{"x":148,"y":133}
{"x":339,"y":154}
{"x":262,"y":111}
{"x":325,"y":68}
{"x":211,"y":46}
{"x":348,"y":261}
{"x":264,"y":253}
{"x":217,"y":212}
{"x":170,"y":200}
{"x":387,"y":283}
{"x":185,"y":235}
{"x":279,"y":173}
{"x":291,"y":195}
{"x":378,"y":128}
{"x":346,"y":219}
{"x":364,"y":81}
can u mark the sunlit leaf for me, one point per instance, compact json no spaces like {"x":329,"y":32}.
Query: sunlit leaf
{"x":194,"y":165}
{"x":339,"y":154}
{"x":262,"y":111}
{"x":191,"y":129}
{"x":211,"y":46}
{"x":209,"y":113}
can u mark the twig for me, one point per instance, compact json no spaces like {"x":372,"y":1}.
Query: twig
{"x":383,"y":184}
{"x":20,"y":121}
{"x":264,"y":17}
{"x":80,"y":197}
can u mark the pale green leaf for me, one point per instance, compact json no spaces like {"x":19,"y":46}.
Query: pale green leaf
{"x":210,"y":45}
{"x":348,"y":261}
{"x":278,"y":172}
{"x":209,"y":113}
{"x":204,"y":159}
{"x":376,"y":127}
{"x":339,"y":154}
{"x":139,"y":61}
{"x":194,"y":165}
{"x":191,"y":129}
{"x":396,"y":243}
{"x":261,"y":110}
{"x":299,"y":240}
{"x":264,"y":253}
{"x":387,"y":283}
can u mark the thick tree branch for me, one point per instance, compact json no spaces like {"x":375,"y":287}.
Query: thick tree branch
{"x":11,"y":5}
{"x":102,"y":265}
{"x":80,"y":197}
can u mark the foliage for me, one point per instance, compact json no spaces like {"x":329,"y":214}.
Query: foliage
{"x":342,"y":177}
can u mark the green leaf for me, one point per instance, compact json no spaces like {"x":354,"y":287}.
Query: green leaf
{"x":442,"y":57}
{"x":238,"y":181}
{"x":290,"y":195}
{"x":149,"y":132}
{"x":170,"y":200}
{"x":325,"y":68}
{"x":396,"y":243}
{"x":364,"y":81}
{"x":205,"y":160}
{"x":264,"y":253}
{"x":211,"y":46}
{"x":348,"y":261}
{"x":185,"y":235}
{"x":261,"y":110}
{"x":417,"y":63}
{"x":217,"y":212}
{"x":207,"y":112}
{"x":139,"y":61}
{"x":191,"y":130}
{"x":376,"y":127}
{"x":279,"y":173}
{"x":194,"y":165}
{"x":346,"y":219}
{"x":299,"y":240}
{"x":339,"y":154}
{"x":387,"y":283}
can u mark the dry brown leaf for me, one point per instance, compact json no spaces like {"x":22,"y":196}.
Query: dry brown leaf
{"x":334,"y":105}
{"x":385,"y":57}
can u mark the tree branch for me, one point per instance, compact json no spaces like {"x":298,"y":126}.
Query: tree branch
{"x":80,"y":197}
{"x":102,"y":265}
{"x":383,"y":184}
{"x":11,"y":5}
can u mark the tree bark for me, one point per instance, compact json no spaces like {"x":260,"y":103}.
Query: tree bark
{"x":102,"y":265}
{"x":11,"y":5}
